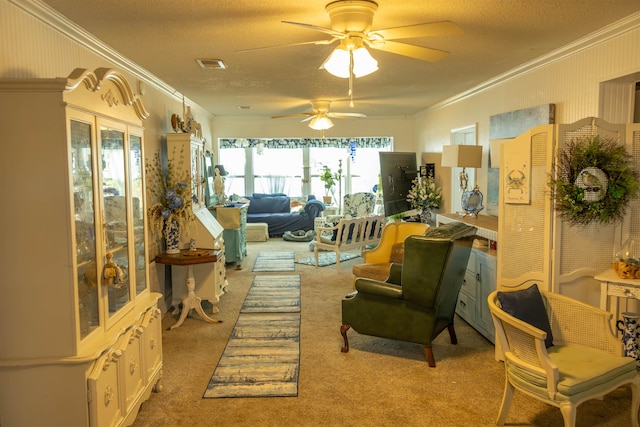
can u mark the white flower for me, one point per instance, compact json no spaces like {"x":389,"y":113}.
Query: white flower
{"x":424,"y":193}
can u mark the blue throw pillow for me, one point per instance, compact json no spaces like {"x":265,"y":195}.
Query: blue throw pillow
{"x":527,"y":305}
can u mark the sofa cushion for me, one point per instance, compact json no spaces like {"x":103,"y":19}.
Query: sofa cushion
{"x":269,"y":204}
{"x":261,"y":195}
{"x":528,"y":306}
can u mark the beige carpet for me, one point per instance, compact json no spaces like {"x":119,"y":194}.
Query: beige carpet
{"x":378,"y":383}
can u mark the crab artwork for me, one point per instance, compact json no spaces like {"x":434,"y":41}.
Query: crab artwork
{"x":516,"y":180}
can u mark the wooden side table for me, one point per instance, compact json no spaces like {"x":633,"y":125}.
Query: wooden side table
{"x":190,"y":258}
{"x":613,"y":286}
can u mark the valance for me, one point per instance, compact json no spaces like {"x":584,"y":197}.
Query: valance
{"x":362,"y":142}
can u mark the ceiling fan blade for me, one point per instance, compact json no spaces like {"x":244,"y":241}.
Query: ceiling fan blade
{"x":443,"y":28}
{"x":293,"y":115}
{"x":315,"y":42}
{"x":345,"y":115}
{"x":413,"y":51}
{"x":308,"y":118}
{"x":329,"y":31}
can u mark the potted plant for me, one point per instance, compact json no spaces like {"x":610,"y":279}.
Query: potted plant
{"x":329,"y":178}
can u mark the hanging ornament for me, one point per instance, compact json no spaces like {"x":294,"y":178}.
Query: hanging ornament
{"x":352,"y":150}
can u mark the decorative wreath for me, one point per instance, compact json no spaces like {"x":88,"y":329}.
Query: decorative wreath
{"x":594,"y":181}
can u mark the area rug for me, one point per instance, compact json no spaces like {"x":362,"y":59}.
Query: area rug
{"x":274,"y":261}
{"x":273,"y":294}
{"x":326,"y":258}
{"x":262,"y":356}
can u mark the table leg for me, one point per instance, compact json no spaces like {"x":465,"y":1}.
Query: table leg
{"x":192,"y":301}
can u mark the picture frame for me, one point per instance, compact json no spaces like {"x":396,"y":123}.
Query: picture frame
{"x":428,"y":170}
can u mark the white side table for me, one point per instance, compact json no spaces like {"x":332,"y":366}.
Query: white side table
{"x":612,"y":288}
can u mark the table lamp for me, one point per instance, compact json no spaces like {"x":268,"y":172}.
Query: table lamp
{"x":465,"y":156}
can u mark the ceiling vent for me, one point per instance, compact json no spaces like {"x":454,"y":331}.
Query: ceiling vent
{"x":213,"y":64}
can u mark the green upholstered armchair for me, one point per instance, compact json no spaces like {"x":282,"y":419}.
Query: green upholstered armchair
{"x":418,"y":300}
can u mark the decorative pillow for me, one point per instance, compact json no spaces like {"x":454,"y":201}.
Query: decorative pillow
{"x":527,"y":305}
{"x":397,"y":253}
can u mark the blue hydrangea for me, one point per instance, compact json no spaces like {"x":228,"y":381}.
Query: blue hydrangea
{"x":166,"y":213}
{"x":170,"y":194}
{"x":176,"y":203}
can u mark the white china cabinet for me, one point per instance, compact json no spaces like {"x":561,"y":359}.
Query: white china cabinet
{"x":81,"y":330}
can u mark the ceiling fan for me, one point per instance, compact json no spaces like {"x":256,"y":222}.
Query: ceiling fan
{"x":351,"y":22}
{"x":320,"y":117}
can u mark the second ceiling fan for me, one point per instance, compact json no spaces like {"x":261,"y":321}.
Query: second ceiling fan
{"x":320,"y":117}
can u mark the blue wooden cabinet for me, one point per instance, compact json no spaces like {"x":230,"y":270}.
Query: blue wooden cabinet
{"x":234,"y":222}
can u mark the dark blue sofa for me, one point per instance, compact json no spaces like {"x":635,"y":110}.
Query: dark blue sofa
{"x":275,"y":210}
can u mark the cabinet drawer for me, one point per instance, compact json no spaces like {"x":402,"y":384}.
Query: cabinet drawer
{"x":623,"y":291}
{"x":132,"y":367}
{"x":104,"y":388}
{"x":152,"y":343}
{"x":469,"y":284}
{"x":466,"y":308}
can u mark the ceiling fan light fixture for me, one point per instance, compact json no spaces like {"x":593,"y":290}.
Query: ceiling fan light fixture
{"x":363,"y":63}
{"x":338,"y":62}
{"x":320,"y":122}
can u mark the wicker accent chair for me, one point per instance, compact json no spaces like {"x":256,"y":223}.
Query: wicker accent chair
{"x":585,"y":360}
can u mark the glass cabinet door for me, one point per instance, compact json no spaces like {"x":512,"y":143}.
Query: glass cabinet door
{"x":82,"y":156}
{"x":137,"y":194}
{"x":116,"y":272}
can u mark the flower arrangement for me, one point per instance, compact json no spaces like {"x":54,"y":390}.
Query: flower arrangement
{"x":594,"y":181}
{"x":171,"y":192}
{"x":424,"y":193}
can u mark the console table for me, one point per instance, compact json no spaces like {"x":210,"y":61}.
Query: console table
{"x":190,"y":258}
{"x":234,"y":221}
{"x":612,"y":288}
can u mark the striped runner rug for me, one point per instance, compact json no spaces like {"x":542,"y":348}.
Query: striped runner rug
{"x":262,"y":356}
{"x":275,"y":261}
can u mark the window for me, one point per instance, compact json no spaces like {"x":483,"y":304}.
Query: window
{"x":293,"y":166}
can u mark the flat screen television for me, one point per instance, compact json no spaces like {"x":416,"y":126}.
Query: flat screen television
{"x":397,"y":171}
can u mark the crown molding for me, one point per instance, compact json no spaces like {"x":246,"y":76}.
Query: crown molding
{"x":608,"y":32}
{"x":62,"y":24}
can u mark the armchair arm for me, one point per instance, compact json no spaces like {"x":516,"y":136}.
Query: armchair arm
{"x":374,"y":287}
{"x":523,"y":345}
{"x":395,"y":274}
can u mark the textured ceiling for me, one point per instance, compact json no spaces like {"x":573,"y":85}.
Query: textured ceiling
{"x":166,"y":37}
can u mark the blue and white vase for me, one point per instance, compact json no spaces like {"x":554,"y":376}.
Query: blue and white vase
{"x":172,"y":237}
{"x":629,"y":329}
{"x":425,"y":216}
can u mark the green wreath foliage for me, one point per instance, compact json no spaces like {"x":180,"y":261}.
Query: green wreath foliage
{"x":602,"y":153}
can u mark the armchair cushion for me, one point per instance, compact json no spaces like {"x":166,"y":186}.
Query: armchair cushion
{"x":527,"y":305}
{"x":580,"y":369}
{"x":397,"y":253}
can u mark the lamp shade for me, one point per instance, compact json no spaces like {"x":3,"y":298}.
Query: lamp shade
{"x":363,"y":63}
{"x":462,"y":156}
{"x":320,"y":122}
{"x":221,"y":169}
{"x":339,"y":62}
